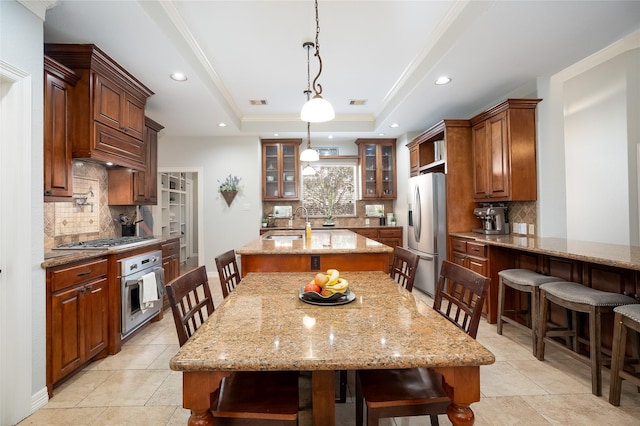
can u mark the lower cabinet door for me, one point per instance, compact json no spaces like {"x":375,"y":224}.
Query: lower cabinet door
{"x":67,"y":350}
{"x":96,"y":316}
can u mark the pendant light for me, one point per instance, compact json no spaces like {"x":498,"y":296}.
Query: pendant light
{"x":317,"y":109}
{"x":309,"y":154}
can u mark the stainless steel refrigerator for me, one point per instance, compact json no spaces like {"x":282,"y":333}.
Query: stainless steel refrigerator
{"x":427,"y":227}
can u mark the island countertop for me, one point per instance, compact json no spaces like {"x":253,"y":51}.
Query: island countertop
{"x":334,"y":241}
{"x":617,"y":255}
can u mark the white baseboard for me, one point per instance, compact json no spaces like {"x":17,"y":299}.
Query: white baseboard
{"x":39,"y":399}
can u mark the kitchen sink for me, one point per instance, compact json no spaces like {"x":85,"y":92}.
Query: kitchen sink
{"x":283,"y":237}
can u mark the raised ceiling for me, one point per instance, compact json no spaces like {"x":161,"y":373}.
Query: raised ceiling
{"x":388,"y":53}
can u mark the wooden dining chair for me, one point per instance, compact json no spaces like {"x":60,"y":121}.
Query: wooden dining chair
{"x":403,"y":270}
{"x":228,"y":272}
{"x":460,"y":295}
{"x":260,"y":398}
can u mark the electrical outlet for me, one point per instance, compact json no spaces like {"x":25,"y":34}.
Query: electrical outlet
{"x":366,"y":221}
{"x":532,"y":229}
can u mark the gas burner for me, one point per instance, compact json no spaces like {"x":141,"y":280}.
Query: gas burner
{"x":106,"y":243}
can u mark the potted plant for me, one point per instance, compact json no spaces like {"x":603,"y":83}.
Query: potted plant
{"x":265,"y":221}
{"x":393,"y":220}
{"x":229,"y":187}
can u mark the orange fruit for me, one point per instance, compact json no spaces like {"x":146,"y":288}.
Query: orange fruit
{"x":326,"y":293}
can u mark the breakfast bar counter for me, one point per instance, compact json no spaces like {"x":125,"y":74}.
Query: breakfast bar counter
{"x":607,"y":267}
{"x":291,"y":251}
{"x":263,"y":325}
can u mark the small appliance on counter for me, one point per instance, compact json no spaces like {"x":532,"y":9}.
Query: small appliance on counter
{"x":493,"y":219}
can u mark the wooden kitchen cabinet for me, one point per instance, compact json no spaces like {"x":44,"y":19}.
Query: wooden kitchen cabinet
{"x":280,"y":169}
{"x":59,"y":83}
{"x":128,"y":187}
{"x":108,"y":107}
{"x":170,"y":264}
{"x":504,"y":152}
{"x":472,"y":255}
{"x":378,"y":165}
{"x":77,"y":317}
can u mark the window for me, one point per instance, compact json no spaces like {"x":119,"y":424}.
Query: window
{"x":332,"y":190}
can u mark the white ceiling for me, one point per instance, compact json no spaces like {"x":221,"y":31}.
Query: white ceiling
{"x":386,"y":52}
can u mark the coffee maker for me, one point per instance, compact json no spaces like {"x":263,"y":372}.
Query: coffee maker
{"x":493,"y":219}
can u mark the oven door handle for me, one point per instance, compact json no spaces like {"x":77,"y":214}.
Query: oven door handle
{"x":131,"y":283}
{"x":136,"y":281}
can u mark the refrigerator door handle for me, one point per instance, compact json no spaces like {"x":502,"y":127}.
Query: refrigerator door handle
{"x":418,"y":208}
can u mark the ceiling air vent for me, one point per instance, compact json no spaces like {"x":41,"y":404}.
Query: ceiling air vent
{"x":357,"y":101}
{"x":258,"y":102}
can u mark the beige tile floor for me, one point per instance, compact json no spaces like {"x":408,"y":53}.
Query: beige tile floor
{"x":136,"y":387}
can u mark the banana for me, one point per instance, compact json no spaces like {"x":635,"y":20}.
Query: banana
{"x":340,"y":286}
{"x":333,"y":274}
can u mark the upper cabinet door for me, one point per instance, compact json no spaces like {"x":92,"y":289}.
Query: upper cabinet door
{"x":504,"y":152}
{"x":281,"y":169}
{"x":59,"y":83}
{"x":117,"y":109}
{"x":378,"y":164}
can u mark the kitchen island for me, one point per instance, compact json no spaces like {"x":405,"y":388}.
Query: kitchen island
{"x":291,"y":251}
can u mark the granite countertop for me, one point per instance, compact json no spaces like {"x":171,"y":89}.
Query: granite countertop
{"x":587,"y":251}
{"x":294,"y":228}
{"x":64,"y":257}
{"x":322,"y":242}
{"x":262,"y":325}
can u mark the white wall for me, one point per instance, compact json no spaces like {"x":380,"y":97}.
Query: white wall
{"x":21,"y":46}
{"x":588,"y":134}
{"x":225,"y":227}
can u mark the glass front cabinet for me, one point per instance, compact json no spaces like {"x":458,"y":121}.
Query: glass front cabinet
{"x":378,"y":165}
{"x":281,"y":169}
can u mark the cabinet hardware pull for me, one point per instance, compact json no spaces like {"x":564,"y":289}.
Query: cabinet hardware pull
{"x":83,"y":290}
{"x":47,"y":192}
{"x":89,"y":288}
{"x":82,"y":274}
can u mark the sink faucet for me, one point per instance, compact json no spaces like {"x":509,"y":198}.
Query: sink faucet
{"x":306,"y":212}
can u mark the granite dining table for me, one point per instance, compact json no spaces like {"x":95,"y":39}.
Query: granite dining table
{"x":263,"y":325}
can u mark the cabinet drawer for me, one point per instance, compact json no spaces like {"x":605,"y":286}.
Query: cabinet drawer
{"x":68,"y":276}
{"x":477,"y":249}
{"x":458,"y":245}
{"x":169,"y":249}
{"x":390,"y":233}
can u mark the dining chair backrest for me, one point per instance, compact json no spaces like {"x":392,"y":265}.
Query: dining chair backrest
{"x":228,"y":272}
{"x":460,"y":296}
{"x":405,"y":265}
{"x":191,"y":302}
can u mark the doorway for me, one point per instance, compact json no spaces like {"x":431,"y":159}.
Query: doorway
{"x":181,"y":206}
{"x":16,"y":299}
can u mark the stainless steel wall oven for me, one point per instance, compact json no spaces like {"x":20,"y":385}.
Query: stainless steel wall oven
{"x":134,"y":314}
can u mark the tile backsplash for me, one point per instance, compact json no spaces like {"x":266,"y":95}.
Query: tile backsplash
{"x":67,"y":222}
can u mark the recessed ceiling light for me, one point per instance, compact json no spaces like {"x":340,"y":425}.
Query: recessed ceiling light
{"x":178,"y":76}
{"x":330,"y":136}
{"x":443,"y":80}
{"x":394,"y":125}
{"x":380,"y":134}
{"x":222,"y":124}
{"x":276,"y":134}
{"x":109,"y":163}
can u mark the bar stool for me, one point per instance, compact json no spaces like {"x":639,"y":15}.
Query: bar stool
{"x":526,"y":281}
{"x":578,"y":298}
{"x":626,"y":317}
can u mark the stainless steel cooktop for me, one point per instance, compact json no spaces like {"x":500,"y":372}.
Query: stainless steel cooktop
{"x":106,"y":243}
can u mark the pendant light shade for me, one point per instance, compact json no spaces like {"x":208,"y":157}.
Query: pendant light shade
{"x":317,"y":110}
{"x":308,"y":170}
{"x":309,"y":154}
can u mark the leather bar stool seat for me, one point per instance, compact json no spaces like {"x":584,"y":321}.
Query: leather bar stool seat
{"x":578,"y":298}
{"x":627,"y":318}
{"x":525,"y":281}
